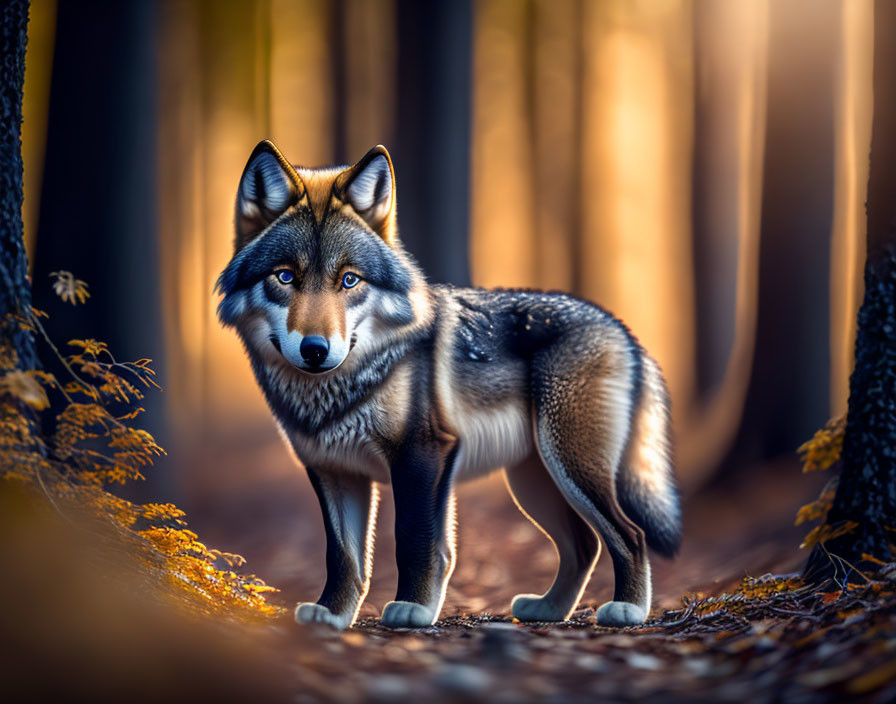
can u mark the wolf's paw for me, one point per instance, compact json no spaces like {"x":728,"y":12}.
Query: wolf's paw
{"x":406,"y":614}
{"x":618,"y":614}
{"x":315,"y":613}
{"x":532,"y":607}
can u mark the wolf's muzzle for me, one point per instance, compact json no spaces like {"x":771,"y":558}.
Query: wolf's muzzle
{"x":314,"y":350}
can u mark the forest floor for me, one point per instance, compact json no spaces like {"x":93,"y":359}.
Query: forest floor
{"x":727,"y":624}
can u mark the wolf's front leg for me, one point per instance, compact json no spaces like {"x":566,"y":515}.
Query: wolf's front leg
{"x":349,"y":506}
{"x":424,"y":535}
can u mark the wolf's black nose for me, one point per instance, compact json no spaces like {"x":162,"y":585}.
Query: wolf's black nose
{"x":314,"y":349}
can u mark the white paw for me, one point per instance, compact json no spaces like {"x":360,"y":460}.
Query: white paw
{"x":532,"y":607}
{"x":315,"y":613}
{"x":406,"y":614}
{"x":619,"y":614}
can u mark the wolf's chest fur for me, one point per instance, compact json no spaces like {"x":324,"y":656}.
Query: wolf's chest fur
{"x":340,"y":421}
{"x":350,"y":421}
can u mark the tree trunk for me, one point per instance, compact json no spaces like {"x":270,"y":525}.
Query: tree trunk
{"x":866,"y":494}
{"x":15,"y":289}
{"x":788,"y":395}
{"x":432,"y":156}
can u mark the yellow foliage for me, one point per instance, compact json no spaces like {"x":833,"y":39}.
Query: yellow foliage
{"x":825,"y":447}
{"x":93,"y":447}
{"x":23,"y":386}
{"x":163,"y":513}
{"x":8,"y":358}
{"x":825,"y":532}
{"x":871,"y":558}
{"x":817,"y":509}
{"x":68,"y":288}
{"x":90,"y":347}
{"x":817,"y":454}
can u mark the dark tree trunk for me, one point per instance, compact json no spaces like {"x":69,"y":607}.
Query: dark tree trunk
{"x":432,"y":158}
{"x":788,"y":396}
{"x":15,"y":289}
{"x":866,"y":494}
{"x":98,"y":200}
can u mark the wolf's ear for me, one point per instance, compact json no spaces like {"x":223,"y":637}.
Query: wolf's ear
{"x":369,"y":188}
{"x":268,"y":186}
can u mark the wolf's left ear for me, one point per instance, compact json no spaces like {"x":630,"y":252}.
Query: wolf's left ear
{"x":268,"y":186}
{"x":369,"y":188}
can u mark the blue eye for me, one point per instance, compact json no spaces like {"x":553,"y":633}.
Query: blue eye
{"x":285,"y":276}
{"x":350,"y":280}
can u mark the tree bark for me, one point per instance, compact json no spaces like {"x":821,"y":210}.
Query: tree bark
{"x":866,"y":493}
{"x":15,"y":288}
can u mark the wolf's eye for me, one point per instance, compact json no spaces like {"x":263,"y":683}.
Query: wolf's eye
{"x":285,"y":276}
{"x":350,"y":280}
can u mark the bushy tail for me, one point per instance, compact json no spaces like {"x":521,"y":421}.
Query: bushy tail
{"x":645,"y":483}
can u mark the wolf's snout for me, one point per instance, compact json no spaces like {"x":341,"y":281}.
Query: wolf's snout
{"x":314,"y":349}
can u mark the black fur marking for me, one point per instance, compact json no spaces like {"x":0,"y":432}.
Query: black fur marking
{"x":345,"y":571}
{"x":356,"y":298}
{"x":636,"y":355}
{"x":475,"y":333}
{"x":422,"y":484}
{"x":277,"y":293}
{"x":522,"y":322}
{"x":286,"y":240}
{"x":348,"y":245}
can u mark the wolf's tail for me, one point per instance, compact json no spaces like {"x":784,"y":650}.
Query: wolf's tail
{"x":645,"y":483}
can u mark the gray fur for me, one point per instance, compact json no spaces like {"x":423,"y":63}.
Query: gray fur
{"x":439,"y":385}
{"x":311,"y":404}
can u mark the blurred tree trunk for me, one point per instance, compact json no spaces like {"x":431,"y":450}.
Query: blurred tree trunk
{"x":788,"y":396}
{"x":98,"y":209}
{"x":866,"y":493}
{"x":15,"y":289}
{"x":432,"y":160}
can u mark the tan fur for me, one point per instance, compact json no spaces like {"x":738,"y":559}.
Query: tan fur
{"x":323,"y":191}
{"x":320,"y":313}
{"x":395,"y":399}
{"x":650,"y":446}
{"x":319,"y":188}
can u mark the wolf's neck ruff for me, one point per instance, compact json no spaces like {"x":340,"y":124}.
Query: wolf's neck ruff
{"x":309,"y":404}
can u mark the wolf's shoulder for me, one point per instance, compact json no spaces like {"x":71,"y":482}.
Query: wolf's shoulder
{"x":522,"y":301}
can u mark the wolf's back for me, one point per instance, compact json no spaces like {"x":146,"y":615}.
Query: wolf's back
{"x":645,"y":483}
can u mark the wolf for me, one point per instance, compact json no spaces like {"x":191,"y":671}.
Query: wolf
{"x":377,"y":378}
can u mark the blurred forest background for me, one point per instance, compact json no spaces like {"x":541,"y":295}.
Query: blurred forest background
{"x":698,"y":167}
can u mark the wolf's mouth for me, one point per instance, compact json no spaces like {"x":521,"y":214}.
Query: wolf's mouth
{"x":314,"y":370}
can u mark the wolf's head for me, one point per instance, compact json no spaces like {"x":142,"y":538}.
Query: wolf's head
{"x":318,"y":270}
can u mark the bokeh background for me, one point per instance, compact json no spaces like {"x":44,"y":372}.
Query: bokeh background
{"x":696,"y":166}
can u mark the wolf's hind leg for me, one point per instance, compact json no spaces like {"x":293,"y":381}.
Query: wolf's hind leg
{"x":577,"y":546}
{"x":582,"y":411}
{"x":349,"y":505}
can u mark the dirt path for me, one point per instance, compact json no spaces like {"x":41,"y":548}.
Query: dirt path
{"x":269,"y":515}
{"x":794,"y":647}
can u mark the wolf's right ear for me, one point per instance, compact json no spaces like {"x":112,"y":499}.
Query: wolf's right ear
{"x":268,"y":186}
